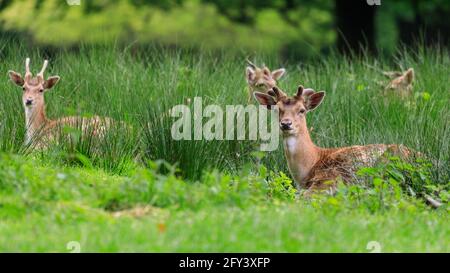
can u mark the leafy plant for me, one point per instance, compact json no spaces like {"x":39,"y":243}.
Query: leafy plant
{"x":393,"y":180}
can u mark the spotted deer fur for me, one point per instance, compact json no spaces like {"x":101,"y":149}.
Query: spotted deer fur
{"x":261,"y":79}
{"x":41,"y":130}
{"x":314,"y":168}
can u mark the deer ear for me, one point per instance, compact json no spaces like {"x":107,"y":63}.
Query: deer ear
{"x":299,"y":91}
{"x":16,"y":78}
{"x":278,"y":73}
{"x":314,"y":100}
{"x":249,"y":74}
{"x":50,"y":82}
{"x":409,"y":76}
{"x":392,"y":74}
{"x":264,"y":99}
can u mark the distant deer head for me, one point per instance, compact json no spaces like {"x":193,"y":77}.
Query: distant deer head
{"x":401,"y":81}
{"x":261,"y":79}
{"x":33,"y":87}
{"x":292,"y":110}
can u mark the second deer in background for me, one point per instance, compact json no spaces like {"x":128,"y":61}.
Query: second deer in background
{"x":401,"y":82}
{"x":261,"y":79}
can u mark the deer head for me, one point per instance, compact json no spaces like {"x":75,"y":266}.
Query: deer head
{"x":292,"y":110}
{"x":401,"y":82}
{"x":262,"y":79}
{"x":33,"y":87}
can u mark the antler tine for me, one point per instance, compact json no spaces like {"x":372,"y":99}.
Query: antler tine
{"x":27,"y":65}
{"x":277,"y":93}
{"x":304,"y":92}
{"x":44,"y":67}
{"x":28,"y":74}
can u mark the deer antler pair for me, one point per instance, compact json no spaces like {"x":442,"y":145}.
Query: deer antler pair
{"x":301,"y":91}
{"x":29,"y":75}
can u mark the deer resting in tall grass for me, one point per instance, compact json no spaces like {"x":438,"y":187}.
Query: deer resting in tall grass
{"x":261,"y":79}
{"x":401,"y":82}
{"x":313,"y":168}
{"x":41,"y":130}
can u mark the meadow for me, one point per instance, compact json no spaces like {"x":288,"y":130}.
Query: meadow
{"x":143,"y":191}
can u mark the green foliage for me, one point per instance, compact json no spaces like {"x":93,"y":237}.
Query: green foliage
{"x":411,"y":176}
{"x":392,"y":183}
{"x":296,"y":28}
{"x":139,"y":89}
{"x":214,"y":192}
{"x":211,"y":195}
{"x":221,"y":212}
{"x":146,"y":186}
{"x":169,"y":23}
{"x":281,"y":187}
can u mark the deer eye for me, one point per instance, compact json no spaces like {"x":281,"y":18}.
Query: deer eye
{"x":302,"y":111}
{"x":41,"y":90}
{"x":24,"y":89}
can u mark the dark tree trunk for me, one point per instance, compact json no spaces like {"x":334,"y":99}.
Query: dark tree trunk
{"x":355,"y":22}
{"x":410,"y":31}
{"x":420,"y":32}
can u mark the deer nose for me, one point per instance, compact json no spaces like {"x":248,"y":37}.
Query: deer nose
{"x":286,"y":125}
{"x":28,"y":102}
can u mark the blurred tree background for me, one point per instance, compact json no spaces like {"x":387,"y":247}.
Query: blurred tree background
{"x":293,"y":28}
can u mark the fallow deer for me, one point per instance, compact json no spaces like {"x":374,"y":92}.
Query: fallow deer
{"x":39,"y":129}
{"x":313,"y":168}
{"x":401,"y":82}
{"x":261,"y":79}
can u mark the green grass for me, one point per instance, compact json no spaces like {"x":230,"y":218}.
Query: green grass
{"x":43,"y":208}
{"x":216,"y":195}
{"x":273,"y":229}
{"x":139,"y":88}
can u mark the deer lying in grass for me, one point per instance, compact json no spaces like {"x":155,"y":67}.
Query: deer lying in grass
{"x":261,"y":79}
{"x":401,"y":82}
{"x":314,"y":168}
{"x":39,"y":129}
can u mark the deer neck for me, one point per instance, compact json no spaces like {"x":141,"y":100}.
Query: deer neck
{"x":35,"y":120}
{"x":301,"y":154}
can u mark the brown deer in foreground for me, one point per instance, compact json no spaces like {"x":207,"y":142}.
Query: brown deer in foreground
{"x":261,"y":79}
{"x":314,"y":168}
{"x":39,"y":129}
